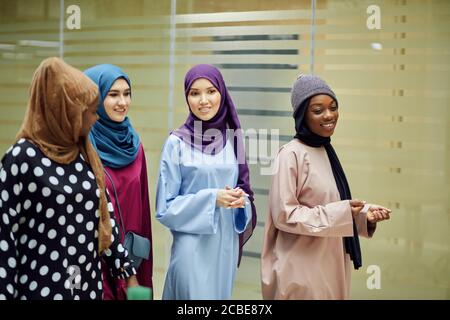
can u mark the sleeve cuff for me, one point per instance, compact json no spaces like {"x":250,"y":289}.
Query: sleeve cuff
{"x":127,"y":271}
{"x":242,"y":217}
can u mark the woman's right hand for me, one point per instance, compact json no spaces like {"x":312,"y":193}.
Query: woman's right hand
{"x":226,"y":197}
{"x":378,"y":213}
{"x":356,"y":206}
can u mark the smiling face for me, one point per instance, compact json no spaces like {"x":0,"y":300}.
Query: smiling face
{"x":117,"y":101}
{"x":322,"y":115}
{"x":204,"y":99}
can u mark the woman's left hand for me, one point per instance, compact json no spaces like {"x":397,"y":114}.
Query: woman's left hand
{"x":378,"y":213}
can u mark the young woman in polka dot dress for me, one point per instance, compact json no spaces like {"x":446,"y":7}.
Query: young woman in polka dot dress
{"x":54,"y":214}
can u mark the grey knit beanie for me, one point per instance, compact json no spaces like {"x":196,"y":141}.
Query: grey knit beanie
{"x":307,"y":86}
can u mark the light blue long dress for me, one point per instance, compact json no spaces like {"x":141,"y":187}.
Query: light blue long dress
{"x":205,"y":237}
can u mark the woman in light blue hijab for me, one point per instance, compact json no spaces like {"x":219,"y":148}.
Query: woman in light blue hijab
{"x":121,"y":152}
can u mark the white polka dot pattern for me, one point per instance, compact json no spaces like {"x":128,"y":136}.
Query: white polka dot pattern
{"x":51,"y":217}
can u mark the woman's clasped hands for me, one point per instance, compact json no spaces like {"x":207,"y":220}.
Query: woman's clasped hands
{"x":231,"y":198}
{"x":375,"y":213}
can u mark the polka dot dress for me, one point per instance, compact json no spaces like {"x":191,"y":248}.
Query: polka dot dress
{"x":48,"y":229}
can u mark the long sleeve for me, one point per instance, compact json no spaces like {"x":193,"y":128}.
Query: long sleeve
{"x":146,"y":221}
{"x":10,"y":191}
{"x":190,"y":213}
{"x":365,"y":229}
{"x":145,"y":277}
{"x":116,"y":257}
{"x":330,"y":220}
{"x":242,"y":217}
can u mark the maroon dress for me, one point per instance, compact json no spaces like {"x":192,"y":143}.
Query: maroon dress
{"x":132,"y":190}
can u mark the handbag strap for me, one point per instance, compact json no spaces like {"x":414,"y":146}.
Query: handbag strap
{"x":117,"y":202}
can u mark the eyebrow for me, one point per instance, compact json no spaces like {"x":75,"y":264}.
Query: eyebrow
{"x":212,"y":87}
{"x":321,"y":104}
{"x":115,"y":90}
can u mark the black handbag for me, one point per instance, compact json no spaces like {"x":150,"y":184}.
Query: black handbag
{"x":138,"y":247}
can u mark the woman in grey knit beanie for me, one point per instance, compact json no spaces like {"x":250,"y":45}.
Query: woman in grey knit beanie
{"x":311,"y":234}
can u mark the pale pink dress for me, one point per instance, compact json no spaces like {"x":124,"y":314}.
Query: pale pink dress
{"x":303,"y":253}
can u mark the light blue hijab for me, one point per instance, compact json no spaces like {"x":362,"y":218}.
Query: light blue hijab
{"x":117,"y":143}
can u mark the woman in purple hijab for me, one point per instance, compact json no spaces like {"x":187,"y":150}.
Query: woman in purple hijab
{"x":204,"y":195}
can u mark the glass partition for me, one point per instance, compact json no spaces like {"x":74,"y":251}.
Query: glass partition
{"x":388,"y":61}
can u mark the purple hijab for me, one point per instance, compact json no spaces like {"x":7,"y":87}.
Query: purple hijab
{"x":211,"y":137}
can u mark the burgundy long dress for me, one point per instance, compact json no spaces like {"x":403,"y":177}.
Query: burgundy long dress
{"x":132,"y":190}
